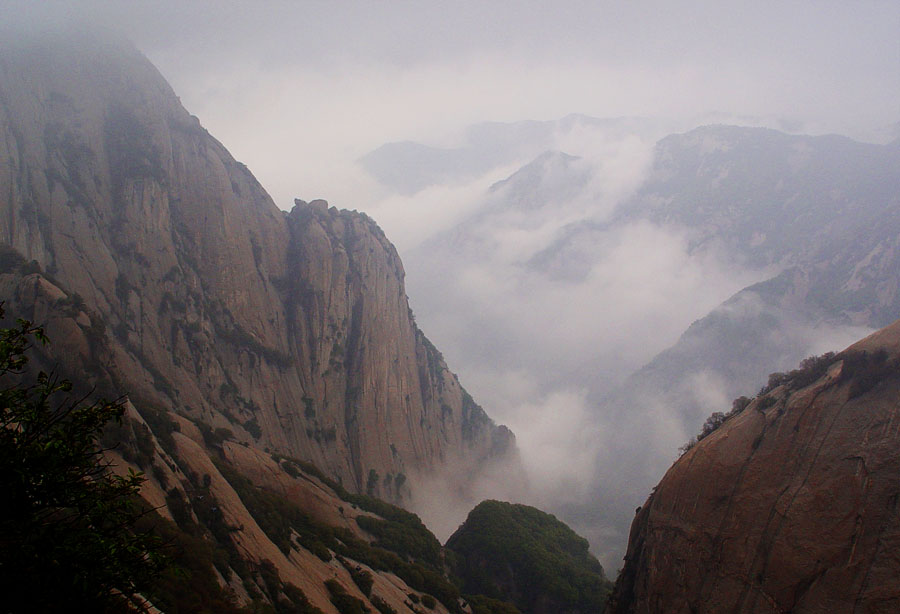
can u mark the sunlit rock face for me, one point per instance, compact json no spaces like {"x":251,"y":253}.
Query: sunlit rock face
{"x":186,"y":287}
{"x":790,"y":506}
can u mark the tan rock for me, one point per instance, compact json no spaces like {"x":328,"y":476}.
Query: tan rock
{"x":293,"y":331}
{"x":790,"y":506}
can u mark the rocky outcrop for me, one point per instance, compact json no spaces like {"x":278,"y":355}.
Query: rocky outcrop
{"x":280,"y":532}
{"x":791,"y":505}
{"x":172,"y":276}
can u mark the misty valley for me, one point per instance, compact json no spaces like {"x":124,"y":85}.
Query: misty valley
{"x":625,"y":365}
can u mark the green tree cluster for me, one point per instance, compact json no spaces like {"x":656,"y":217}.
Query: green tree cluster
{"x":519,"y":554}
{"x":67,"y":536}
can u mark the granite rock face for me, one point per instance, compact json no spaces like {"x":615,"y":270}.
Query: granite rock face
{"x":792,"y":505}
{"x":172,"y":276}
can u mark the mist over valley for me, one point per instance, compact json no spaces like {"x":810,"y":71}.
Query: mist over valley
{"x":488,"y":311}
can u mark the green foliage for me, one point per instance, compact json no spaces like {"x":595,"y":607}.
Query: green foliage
{"x":485,"y":605}
{"x":371,"y":482}
{"x":344,"y":602}
{"x":11,"y":260}
{"x":190,"y":584}
{"x":214,"y":438}
{"x":320,"y":434}
{"x":130,"y":147}
{"x":252,"y":427}
{"x":502,"y":545}
{"x":409,"y":539}
{"x":297,"y":602}
{"x":362,"y":578}
{"x":66,"y":521}
{"x":810,"y":370}
{"x":146,"y":448}
{"x":382,"y":606}
{"x":397,"y":530}
{"x":240,"y":338}
{"x":428,"y":601}
{"x":309,"y":411}
{"x":162,"y":425}
{"x":286,"y":598}
{"x":767,"y":401}
{"x":865,"y":370}
{"x":278,"y":517}
{"x":290,"y":468}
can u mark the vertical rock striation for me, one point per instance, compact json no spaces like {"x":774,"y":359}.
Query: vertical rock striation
{"x":167,"y":267}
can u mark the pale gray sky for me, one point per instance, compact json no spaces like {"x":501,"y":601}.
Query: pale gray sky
{"x":298,"y":90}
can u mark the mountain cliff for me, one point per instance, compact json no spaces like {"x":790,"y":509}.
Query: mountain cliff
{"x":192,"y":292}
{"x":276,"y":380}
{"x":789,"y":506}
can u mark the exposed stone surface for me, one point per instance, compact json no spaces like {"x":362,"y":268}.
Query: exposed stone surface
{"x":186,"y":287}
{"x":790,"y":506}
{"x":241,"y":334}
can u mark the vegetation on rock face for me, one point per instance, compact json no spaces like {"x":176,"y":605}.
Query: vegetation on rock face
{"x":520,"y":554}
{"x":190,"y":584}
{"x":485,"y":605}
{"x":343,"y":601}
{"x":382,"y":606}
{"x":403,"y":545}
{"x":67,"y":523}
{"x":810,"y":370}
{"x":397,"y":530}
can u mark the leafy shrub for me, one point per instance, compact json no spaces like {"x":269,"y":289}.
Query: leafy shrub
{"x":162,"y":425}
{"x":290,"y":469}
{"x":362,"y":578}
{"x":214,"y":438}
{"x":810,"y":370}
{"x":485,"y":605}
{"x":408,"y":539}
{"x":252,"y":427}
{"x":66,"y":520}
{"x":371,"y":482}
{"x":343,"y":601}
{"x":190,"y":584}
{"x":502,"y":543}
{"x":382,"y":606}
{"x":867,"y":369}
{"x":278,"y":517}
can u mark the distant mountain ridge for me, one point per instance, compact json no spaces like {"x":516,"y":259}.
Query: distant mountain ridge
{"x":822,"y":213}
{"x":802,"y":231}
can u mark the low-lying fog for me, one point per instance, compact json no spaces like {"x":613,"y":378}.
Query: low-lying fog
{"x":541,"y":297}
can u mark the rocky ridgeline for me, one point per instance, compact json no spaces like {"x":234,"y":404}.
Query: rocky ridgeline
{"x":789,"y":506}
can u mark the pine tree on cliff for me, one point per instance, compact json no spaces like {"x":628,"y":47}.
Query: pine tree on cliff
{"x":67,"y":541}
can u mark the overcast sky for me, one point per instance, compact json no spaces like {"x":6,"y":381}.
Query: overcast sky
{"x":299,"y":90}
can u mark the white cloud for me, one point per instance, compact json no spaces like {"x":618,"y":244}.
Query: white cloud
{"x":299,"y":91}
